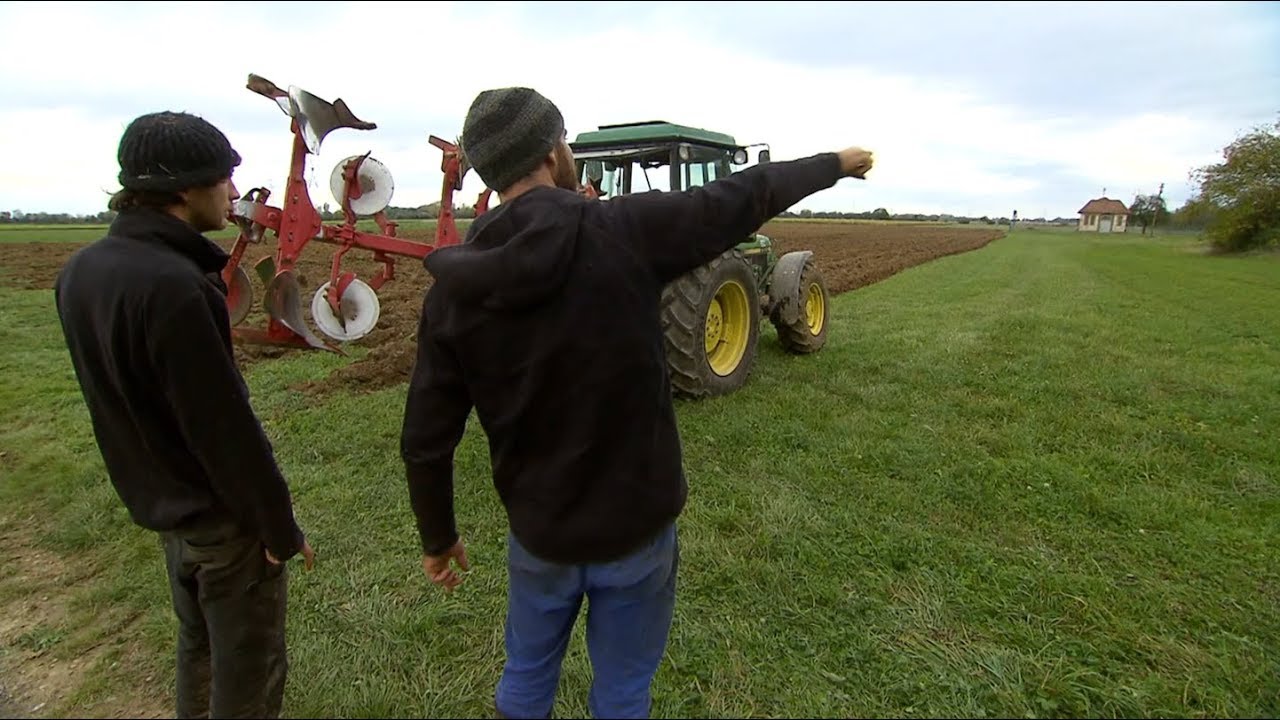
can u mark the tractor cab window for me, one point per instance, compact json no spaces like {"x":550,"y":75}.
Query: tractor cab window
{"x":608,"y":176}
{"x":651,"y":173}
{"x":637,"y":170}
{"x":701,"y":165}
{"x":696,"y":174}
{"x":615,"y":173}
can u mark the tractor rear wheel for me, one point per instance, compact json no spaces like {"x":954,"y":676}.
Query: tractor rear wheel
{"x":807,"y":332}
{"x":711,"y":324}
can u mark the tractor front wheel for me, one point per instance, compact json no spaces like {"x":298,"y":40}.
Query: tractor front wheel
{"x":711,"y":323}
{"x":802,"y":329}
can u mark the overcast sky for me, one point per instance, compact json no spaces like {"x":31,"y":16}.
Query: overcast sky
{"x":971,"y":108}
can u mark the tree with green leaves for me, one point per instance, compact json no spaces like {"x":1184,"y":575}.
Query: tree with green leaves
{"x":1244,"y":192}
{"x":1148,"y":210}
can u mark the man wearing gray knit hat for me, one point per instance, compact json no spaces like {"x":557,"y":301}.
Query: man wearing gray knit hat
{"x":509,"y":132}
{"x":545,"y":321}
{"x":144,"y":315}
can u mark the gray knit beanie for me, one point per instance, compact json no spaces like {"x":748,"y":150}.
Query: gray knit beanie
{"x":508,"y":131}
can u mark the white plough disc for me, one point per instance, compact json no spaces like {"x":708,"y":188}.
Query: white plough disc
{"x":376,"y":186}
{"x":360,"y":311}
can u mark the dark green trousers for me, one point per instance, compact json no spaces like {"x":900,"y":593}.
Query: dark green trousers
{"x":230,"y":602}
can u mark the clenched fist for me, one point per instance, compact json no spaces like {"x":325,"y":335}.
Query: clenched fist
{"x":855,"y":162}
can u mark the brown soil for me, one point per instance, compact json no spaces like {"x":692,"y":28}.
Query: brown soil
{"x":850,"y":256}
{"x":33,"y":266}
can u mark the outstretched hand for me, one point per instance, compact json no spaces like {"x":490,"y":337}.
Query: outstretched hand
{"x":441,"y":573}
{"x":855,"y":162}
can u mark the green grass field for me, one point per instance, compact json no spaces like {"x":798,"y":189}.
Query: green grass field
{"x":1040,"y":479}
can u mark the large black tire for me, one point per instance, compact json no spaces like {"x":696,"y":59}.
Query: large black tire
{"x":807,"y":332}
{"x":693,"y":316}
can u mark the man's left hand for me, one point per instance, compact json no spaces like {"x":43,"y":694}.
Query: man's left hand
{"x":437,"y":566}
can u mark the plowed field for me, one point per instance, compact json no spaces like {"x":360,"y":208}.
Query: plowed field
{"x":850,"y":256}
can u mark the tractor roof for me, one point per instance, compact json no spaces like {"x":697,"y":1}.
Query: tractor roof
{"x":651,"y":132}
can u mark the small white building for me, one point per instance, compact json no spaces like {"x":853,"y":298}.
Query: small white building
{"x":1104,"y":215}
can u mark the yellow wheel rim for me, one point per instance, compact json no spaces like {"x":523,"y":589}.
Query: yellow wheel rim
{"x":728,"y":328}
{"x":815,"y":309}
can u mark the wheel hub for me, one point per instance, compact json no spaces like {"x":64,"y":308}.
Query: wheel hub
{"x":715,"y":326}
{"x":815,"y":309}
{"x":728,"y":328}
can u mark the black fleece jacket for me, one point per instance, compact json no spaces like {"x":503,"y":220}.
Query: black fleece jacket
{"x":546,"y":321}
{"x":144,"y":314}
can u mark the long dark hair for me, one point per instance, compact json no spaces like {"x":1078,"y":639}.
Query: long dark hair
{"x":127,"y":199}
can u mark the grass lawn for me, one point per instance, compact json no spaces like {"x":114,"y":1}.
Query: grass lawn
{"x":1038,"y":479}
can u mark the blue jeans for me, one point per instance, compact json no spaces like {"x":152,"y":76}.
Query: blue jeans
{"x":629,"y":611}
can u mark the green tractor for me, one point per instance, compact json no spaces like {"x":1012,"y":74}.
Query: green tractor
{"x":711,"y":316}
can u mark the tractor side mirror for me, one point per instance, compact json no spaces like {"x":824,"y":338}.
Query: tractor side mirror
{"x":740,"y":156}
{"x":764,"y":156}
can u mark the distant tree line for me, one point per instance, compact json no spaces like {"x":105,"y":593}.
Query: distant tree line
{"x":15,"y":217}
{"x":327,"y":213}
{"x":884,"y":214}
{"x":432,"y":210}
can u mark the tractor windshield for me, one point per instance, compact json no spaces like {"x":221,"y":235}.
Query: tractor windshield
{"x":624,"y":171}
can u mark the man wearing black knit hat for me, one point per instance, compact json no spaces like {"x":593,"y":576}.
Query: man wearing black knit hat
{"x":144,"y":314}
{"x":546,"y":322}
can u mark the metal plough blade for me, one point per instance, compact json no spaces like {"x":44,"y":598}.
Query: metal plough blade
{"x":239,"y":296}
{"x":283,"y":304}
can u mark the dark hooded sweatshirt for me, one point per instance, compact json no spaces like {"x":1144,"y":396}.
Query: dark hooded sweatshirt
{"x":546,"y":321}
{"x":144,"y":314}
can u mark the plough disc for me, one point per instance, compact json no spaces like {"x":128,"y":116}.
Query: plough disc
{"x":359,"y":311}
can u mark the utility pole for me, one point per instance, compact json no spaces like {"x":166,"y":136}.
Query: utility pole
{"x":1155,"y":212}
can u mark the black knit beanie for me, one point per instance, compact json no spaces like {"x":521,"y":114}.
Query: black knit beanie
{"x":507,"y":132}
{"x":173,"y":151}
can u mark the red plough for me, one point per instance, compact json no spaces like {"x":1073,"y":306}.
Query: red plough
{"x":345,"y":307}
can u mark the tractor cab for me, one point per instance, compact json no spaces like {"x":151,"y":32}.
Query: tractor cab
{"x":639,"y":157}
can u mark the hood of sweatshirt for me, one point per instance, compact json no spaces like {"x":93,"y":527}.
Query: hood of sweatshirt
{"x":516,"y":255}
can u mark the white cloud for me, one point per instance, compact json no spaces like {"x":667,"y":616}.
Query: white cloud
{"x":414,"y":68}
